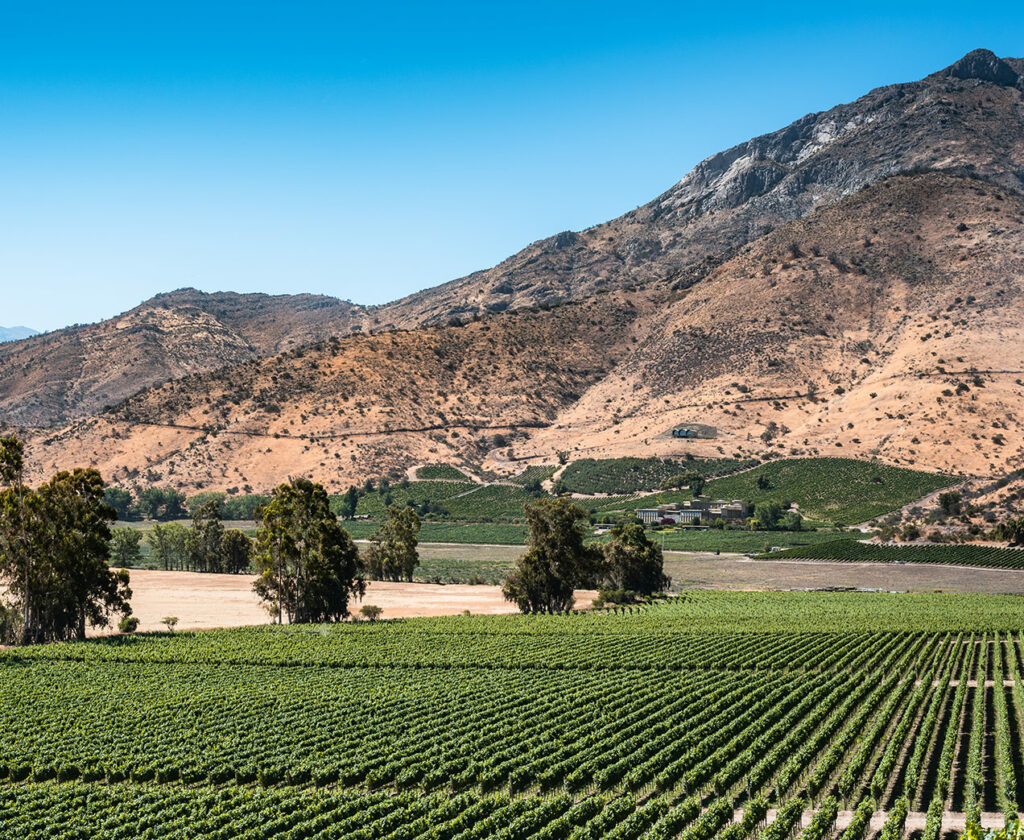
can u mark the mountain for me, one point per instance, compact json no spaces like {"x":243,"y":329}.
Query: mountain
{"x":74,"y":372}
{"x":362,"y":404}
{"x":965,"y":119}
{"x":890,"y":325}
{"x":16,"y":333}
{"x":850,"y":285}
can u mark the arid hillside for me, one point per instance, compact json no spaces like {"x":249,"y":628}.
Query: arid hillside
{"x":968,"y":118}
{"x":888,"y":325}
{"x":74,"y":372}
{"x":357,"y":406}
{"x":849,"y":285}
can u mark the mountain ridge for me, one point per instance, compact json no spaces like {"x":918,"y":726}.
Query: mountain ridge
{"x":16,"y":333}
{"x":914,"y":186}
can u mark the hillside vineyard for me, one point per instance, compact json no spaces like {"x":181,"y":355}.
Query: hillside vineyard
{"x":688,"y":720}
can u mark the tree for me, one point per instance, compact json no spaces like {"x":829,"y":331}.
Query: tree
{"x":675,"y":482}
{"x":633,"y":563}
{"x":237,"y":551}
{"x":950,"y":502}
{"x":556,"y":561}
{"x":160,"y":503}
{"x":169,"y":545}
{"x":244,"y":507}
{"x":169,"y":621}
{"x":54,"y":552}
{"x":392,"y":554}
{"x":307,"y":564}
{"x":370,"y":612}
{"x":194,"y":503}
{"x":766,"y":516}
{"x":15,"y":556}
{"x":1011,"y":530}
{"x":124,"y":547}
{"x":205,"y":541}
{"x":120,"y":500}
{"x":695,"y":481}
{"x":348,"y":502}
{"x":792,"y":521}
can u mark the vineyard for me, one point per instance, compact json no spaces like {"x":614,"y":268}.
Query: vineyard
{"x":832,"y":490}
{"x":632,"y":475}
{"x":734,"y":715}
{"x":439,"y":472}
{"x":849,"y":551}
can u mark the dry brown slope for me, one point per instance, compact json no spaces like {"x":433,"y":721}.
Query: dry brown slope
{"x":901,"y":307}
{"x":354,"y":407}
{"x":75,"y":372}
{"x":967,"y":118}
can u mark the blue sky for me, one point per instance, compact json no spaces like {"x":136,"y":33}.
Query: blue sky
{"x":371,"y":150}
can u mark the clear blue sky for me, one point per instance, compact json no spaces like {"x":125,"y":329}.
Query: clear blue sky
{"x":373,"y":150}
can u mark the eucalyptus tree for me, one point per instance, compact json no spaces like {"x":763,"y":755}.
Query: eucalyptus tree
{"x":168,"y":544}
{"x":206,"y":539}
{"x":557,"y":560}
{"x":393,"y":554}
{"x":307,"y":565}
{"x":632,"y":562}
{"x":55,"y":551}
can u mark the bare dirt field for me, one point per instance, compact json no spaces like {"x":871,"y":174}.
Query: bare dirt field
{"x":204,"y":601}
{"x":207,"y":601}
{"x":689,"y":570}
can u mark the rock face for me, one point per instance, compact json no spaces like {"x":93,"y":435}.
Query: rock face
{"x":967,"y":118}
{"x":985,"y":66}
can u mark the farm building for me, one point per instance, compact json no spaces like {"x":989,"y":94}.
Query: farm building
{"x":695,"y":512}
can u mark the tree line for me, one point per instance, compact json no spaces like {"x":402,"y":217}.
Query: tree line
{"x":56,"y":545}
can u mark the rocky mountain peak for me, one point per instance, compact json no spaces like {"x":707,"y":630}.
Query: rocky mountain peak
{"x":984,"y":65}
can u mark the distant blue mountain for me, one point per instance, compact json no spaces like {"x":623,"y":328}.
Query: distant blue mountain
{"x":14,"y":333}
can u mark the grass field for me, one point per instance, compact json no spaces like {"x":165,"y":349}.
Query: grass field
{"x":839,"y":490}
{"x":986,"y":556}
{"x":651,"y":723}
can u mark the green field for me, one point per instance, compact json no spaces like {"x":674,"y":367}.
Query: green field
{"x":646,"y":723}
{"x":632,"y":475}
{"x":839,"y":490}
{"x":480,"y":533}
{"x":988,"y":556}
